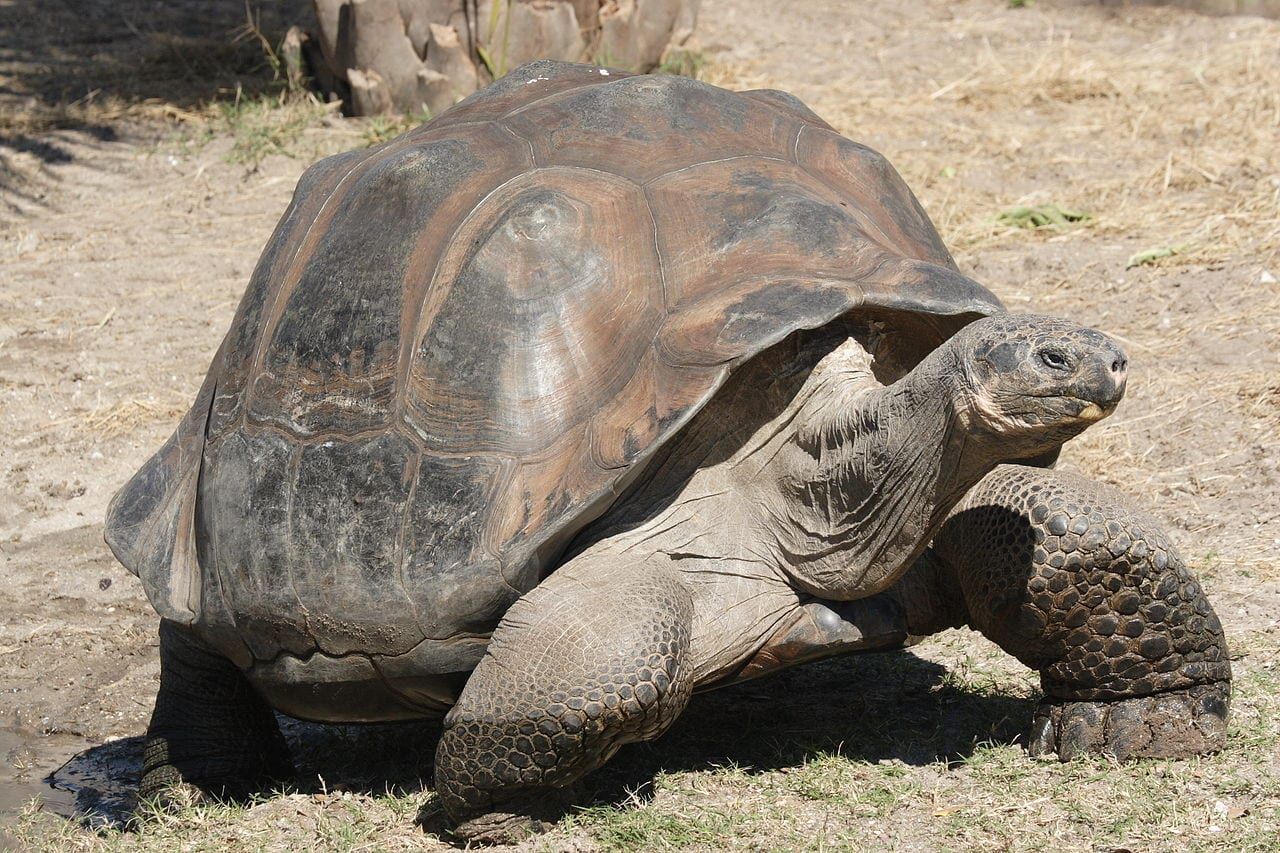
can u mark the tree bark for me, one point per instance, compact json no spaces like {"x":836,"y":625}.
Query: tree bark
{"x":421,"y":56}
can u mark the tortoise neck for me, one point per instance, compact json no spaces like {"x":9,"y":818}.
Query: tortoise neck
{"x":869,"y":475}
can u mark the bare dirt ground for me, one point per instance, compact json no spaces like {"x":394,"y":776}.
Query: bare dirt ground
{"x":136,"y":190}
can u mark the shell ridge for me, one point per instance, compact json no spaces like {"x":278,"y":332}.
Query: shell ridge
{"x":297,"y":263}
{"x":700,"y":164}
{"x":657,"y":251}
{"x":528,"y":143}
{"x":430,"y":305}
{"x":402,"y":535}
{"x":614,"y":77}
{"x":795,"y":146}
{"x":293,"y":470}
{"x":257,"y":427}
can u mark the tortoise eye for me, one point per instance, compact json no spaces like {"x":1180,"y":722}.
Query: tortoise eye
{"x":1053,"y":359}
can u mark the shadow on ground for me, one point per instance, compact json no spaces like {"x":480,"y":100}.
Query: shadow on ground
{"x":84,"y":65}
{"x":874,"y":707}
{"x":57,"y":54}
{"x":891,"y":706}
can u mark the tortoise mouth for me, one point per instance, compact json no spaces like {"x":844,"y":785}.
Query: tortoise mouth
{"x":1089,"y":411}
{"x":1059,"y":411}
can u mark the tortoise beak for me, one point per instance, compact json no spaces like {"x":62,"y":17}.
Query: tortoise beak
{"x":1102,"y":381}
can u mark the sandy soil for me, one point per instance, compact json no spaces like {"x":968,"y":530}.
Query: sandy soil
{"x":128,"y":234}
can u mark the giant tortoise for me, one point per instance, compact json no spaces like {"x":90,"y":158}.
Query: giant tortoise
{"x":599,"y":389}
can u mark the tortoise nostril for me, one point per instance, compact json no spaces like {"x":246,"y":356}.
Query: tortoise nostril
{"x":1119,"y":365}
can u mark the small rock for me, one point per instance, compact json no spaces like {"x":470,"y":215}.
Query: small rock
{"x":1266,"y":277}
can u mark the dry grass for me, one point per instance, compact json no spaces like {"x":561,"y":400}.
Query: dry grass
{"x":1157,"y":141}
{"x":129,"y":415}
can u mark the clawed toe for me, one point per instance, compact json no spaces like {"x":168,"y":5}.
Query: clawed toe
{"x":517,"y":818}
{"x":499,"y":828}
{"x":1176,"y":724}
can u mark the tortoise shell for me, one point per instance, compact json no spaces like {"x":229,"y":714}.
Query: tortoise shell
{"x":460,"y":346}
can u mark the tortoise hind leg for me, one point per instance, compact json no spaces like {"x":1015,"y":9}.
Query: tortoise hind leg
{"x":1066,"y":576}
{"x":209,"y":729}
{"x":594,"y":657}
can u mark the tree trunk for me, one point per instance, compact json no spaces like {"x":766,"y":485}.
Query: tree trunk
{"x":421,"y":56}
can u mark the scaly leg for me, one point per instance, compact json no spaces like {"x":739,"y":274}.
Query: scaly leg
{"x":593,"y":658}
{"x":1068,"y":577}
{"x":209,"y":729}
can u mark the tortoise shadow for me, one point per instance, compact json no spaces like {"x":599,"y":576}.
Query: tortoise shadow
{"x":890,"y":706}
{"x":871,"y":707}
{"x":97,"y":787}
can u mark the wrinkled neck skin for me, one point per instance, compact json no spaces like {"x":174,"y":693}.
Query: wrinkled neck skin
{"x":856,"y":491}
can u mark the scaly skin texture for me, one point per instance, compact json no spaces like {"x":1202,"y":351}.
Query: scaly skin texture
{"x":1067,"y":576}
{"x":209,"y":729}
{"x":1140,"y":671}
{"x":832,"y":492}
{"x":584,"y":663}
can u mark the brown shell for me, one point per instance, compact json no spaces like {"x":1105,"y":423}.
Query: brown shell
{"x":460,"y":345}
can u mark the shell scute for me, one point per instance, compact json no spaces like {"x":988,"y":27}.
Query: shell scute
{"x":543,"y":314}
{"x":869,"y":183}
{"x":348,"y":507}
{"x":242,"y":526}
{"x":457,"y":583}
{"x":619,"y":126}
{"x":314,"y":189}
{"x":332,"y":358}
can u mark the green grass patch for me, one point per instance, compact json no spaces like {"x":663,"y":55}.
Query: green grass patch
{"x":1041,"y":216}
{"x":379,"y":129}
{"x":267,"y":124}
{"x":629,"y":828}
{"x":905,"y":751}
{"x":1153,"y":256}
{"x":683,"y":63}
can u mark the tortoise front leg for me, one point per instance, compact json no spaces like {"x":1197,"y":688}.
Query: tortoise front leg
{"x":1068,"y":577}
{"x":209,"y":729}
{"x":594,"y":657}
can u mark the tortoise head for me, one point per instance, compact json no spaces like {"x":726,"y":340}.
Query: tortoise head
{"x":1031,"y":382}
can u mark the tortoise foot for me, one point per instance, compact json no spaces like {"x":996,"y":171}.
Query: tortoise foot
{"x":1174,"y":724}
{"x":499,"y":828}
{"x":519,"y":818}
{"x":177,"y":783}
{"x":167,"y":797}
{"x":210,"y":732}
